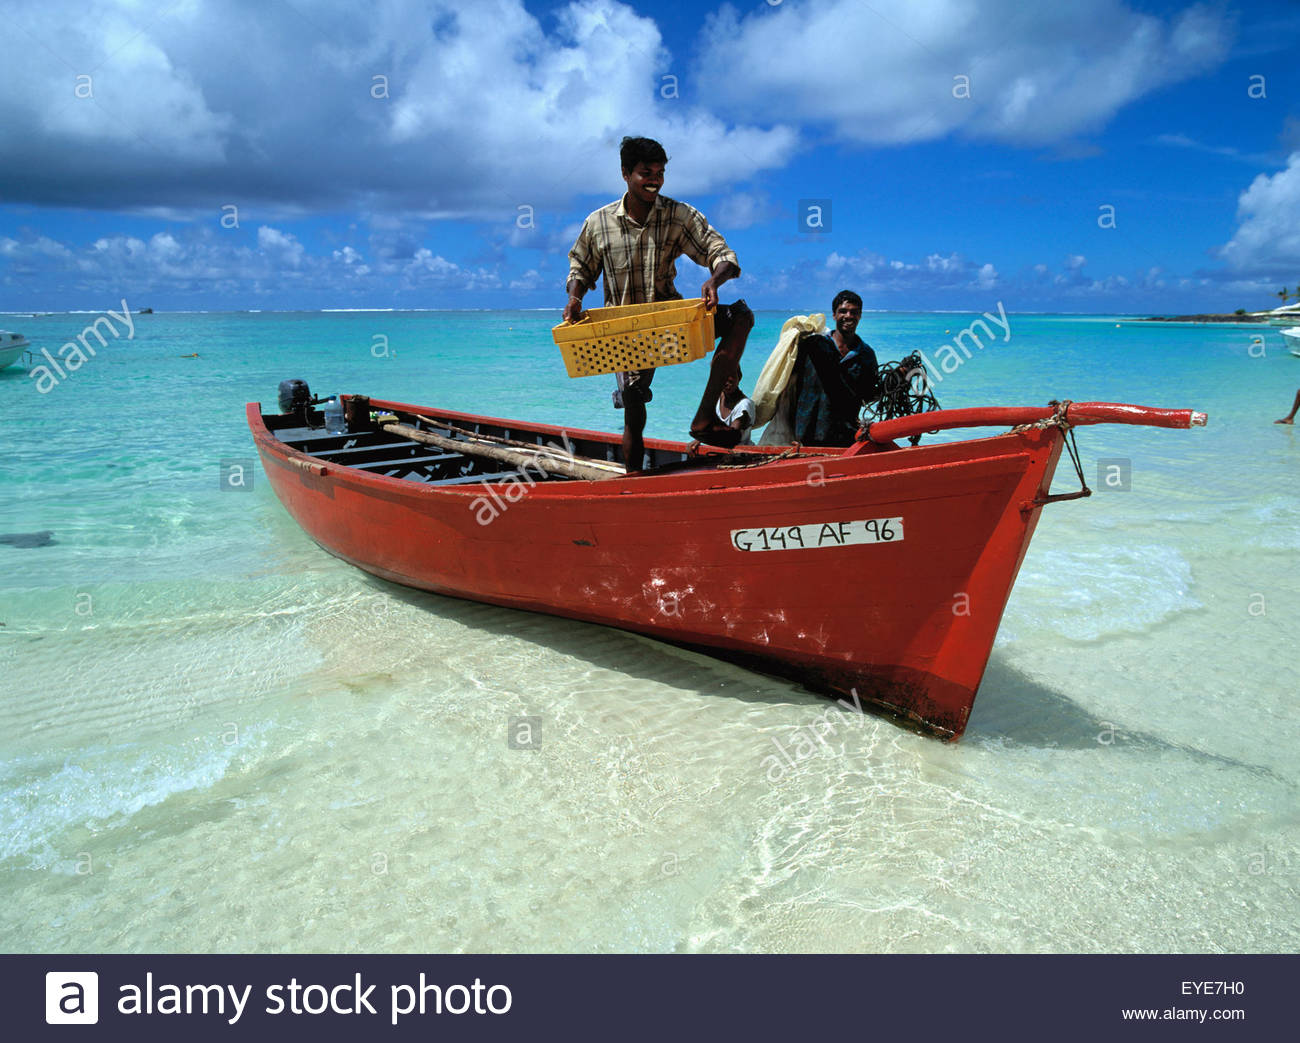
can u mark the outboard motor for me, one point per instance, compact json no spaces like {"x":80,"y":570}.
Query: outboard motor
{"x":295,"y":399}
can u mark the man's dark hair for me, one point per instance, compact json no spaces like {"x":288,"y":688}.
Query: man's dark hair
{"x":845,"y":295}
{"x":640,"y":150}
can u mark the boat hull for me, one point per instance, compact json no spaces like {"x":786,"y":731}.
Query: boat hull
{"x":9,"y":355}
{"x":775,"y":565}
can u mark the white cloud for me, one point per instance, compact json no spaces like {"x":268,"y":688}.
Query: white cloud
{"x":878,"y":277}
{"x":1072,"y":283}
{"x":1268,"y":215}
{"x":425,"y":260}
{"x":432,"y":107}
{"x":939,"y":263}
{"x":743,"y":210}
{"x":530,"y":280}
{"x":165,"y":245}
{"x":41,"y":246}
{"x":282,"y":245}
{"x":889,"y":72}
{"x":1184,"y":142}
{"x":196,"y":262}
{"x":96,"y":74}
{"x":429,"y":269}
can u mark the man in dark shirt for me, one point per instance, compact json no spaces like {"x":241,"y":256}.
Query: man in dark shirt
{"x":837,"y":373}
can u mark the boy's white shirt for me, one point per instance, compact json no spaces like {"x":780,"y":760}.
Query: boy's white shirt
{"x":745,"y":405}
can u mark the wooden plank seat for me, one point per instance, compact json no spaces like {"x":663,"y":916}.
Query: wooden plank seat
{"x":301,"y":437}
{"x":403,"y":461}
{"x":335,"y":454}
{"x":468,"y":479}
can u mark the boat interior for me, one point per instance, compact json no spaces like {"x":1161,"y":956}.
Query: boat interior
{"x":482,"y":451}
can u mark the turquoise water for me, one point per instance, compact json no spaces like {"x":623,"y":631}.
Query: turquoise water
{"x":216,"y":737}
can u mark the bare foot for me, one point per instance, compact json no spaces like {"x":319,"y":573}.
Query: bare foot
{"x":1284,"y":420}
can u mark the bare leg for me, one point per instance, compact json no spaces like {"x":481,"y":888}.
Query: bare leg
{"x":633,"y":445}
{"x":1295,"y":408}
{"x":725,"y":363}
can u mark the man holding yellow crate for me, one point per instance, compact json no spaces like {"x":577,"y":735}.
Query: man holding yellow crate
{"x":635,"y":242}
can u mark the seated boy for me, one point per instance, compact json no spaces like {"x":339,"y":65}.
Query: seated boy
{"x":732,"y":419}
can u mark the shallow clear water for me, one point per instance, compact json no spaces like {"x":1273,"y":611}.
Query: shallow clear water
{"x":216,"y":737}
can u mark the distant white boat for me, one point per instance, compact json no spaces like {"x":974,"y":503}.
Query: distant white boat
{"x":12,"y":346}
{"x":1292,"y":338}
{"x":1287,"y":315}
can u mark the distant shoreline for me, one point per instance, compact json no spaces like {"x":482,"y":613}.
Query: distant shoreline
{"x":1248,"y":317}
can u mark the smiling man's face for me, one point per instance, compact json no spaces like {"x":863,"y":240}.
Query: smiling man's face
{"x":846,"y":318}
{"x":644,"y":181}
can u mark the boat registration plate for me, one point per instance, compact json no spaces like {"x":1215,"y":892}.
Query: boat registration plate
{"x":818,"y":534}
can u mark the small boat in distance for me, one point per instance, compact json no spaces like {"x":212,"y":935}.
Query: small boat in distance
{"x":1286,"y":315}
{"x":877,"y":573}
{"x":1292,"y":339}
{"x":12,"y":348}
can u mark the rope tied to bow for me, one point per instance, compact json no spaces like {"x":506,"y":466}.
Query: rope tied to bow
{"x":1059,"y":419}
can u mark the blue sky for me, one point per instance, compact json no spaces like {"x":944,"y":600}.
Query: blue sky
{"x":1101,"y":156}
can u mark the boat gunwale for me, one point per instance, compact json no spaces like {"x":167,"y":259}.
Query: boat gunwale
{"x":771,"y":475}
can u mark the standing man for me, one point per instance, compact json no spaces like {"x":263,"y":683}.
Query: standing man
{"x":837,"y":374}
{"x":635,"y":242}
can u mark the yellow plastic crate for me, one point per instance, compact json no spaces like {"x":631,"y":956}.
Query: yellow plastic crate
{"x":635,"y":336}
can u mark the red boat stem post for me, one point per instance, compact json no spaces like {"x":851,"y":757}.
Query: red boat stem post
{"x":1075,"y":414}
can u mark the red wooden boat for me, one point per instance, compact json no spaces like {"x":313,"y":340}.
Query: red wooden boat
{"x":877,"y":573}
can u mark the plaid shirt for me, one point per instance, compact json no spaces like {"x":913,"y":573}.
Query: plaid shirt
{"x":639,"y":261}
